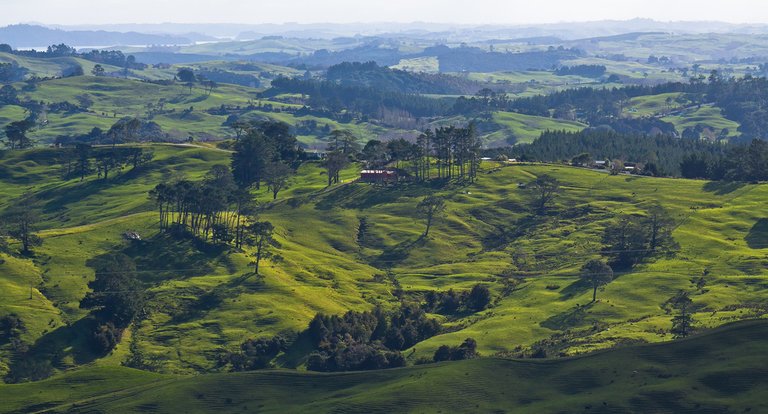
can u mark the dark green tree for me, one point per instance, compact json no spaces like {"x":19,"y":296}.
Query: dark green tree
{"x":252,"y":154}
{"x":544,"y":189}
{"x":597,"y":273}
{"x":116,"y":294}
{"x":682,"y":323}
{"x":430,"y":208}
{"x":276,"y":175}
{"x":21,"y":220}
{"x":16,"y":134}
{"x":260,"y":236}
{"x":335,"y":162}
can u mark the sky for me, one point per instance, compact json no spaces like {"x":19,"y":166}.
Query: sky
{"x":347,"y":11}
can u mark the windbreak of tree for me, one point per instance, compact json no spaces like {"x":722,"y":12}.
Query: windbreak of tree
{"x":664,"y":151}
{"x":475,"y":59}
{"x":108,"y":57}
{"x":212,"y":209}
{"x":223,"y":76}
{"x":123,"y":131}
{"x":741,"y":162}
{"x":587,"y":71}
{"x":454,"y":152}
{"x":368,"y":102}
{"x":82,"y":160}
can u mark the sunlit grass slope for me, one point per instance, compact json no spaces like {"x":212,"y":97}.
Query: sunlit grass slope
{"x":488,"y":236}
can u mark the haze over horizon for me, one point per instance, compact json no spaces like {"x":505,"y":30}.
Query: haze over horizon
{"x":515,"y":12}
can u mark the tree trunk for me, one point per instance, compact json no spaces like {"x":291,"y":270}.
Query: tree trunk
{"x":594,"y":293}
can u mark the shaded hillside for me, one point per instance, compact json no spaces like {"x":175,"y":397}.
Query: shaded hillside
{"x":713,"y":373}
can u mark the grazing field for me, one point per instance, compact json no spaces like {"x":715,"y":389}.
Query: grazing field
{"x":185,"y":113}
{"x":488,"y":236}
{"x":710,"y":373}
{"x":521,"y":128}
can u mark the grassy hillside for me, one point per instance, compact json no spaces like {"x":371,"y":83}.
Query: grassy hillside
{"x":488,"y":236}
{"x":714,"y":372}
{"x":114,"y":98}
{"x":526,"y":128}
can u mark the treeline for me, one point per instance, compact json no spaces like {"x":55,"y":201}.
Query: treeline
{"x":215,"y":208}
{"x":475,"y":59}
{"x":453,"y":151}
{"x":371,"y":75}
{"x":123,"y":131}
{"x":743,"y":162}
{"x":223,"y":76}
{"x":210,"y":209}
{"x":83,"y":160}
{"x":366,"y":102}
{"x":108,"y":57}
{"x":587,"y":71}
{"x":664,"y":152}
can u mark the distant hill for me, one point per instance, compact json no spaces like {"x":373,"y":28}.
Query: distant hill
{"x":24,"y":36}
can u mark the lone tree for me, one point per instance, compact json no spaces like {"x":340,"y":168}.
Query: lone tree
{"x":334,"y":163}
{"x":252,"y":154}
{"x":545,"y":188}
{"x":260,"y":236}
{"x":21,"y":221}
{"x":659,"y":226}
{"x":186,"y":75}
{"x":479,"y":298}
{"x":16,"y":134}
{"x":682,"y":323}
{"x":430,"y":208}
{"x":597,"y":273}
{"x":276,"y":176}
{"x":98,"y":70}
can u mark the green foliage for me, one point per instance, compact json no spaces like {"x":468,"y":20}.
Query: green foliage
{"x":467,"y":350}
{"x":597,"y":273}
{"x":116,"y":294}
{"x":367,"y":340}
{"x":257,"y":353}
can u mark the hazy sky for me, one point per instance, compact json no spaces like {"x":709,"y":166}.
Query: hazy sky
{"x":344,"y":11}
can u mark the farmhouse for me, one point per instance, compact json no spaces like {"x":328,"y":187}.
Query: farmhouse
{"x":378,"y":176}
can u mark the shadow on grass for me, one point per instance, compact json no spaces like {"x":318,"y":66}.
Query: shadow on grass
{"x":72,"y":341}
{"x":579,"y":287}
{"x":568,"y":319}
{"x":61,"y":197}
{"x":757,"y":238}
{"x":398,"y":253}
{"x":506,"y":234}
{"x":722,"y":187}
{"x":166,"y":257}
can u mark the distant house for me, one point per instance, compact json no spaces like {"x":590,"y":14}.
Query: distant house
{"x":378,"y":176}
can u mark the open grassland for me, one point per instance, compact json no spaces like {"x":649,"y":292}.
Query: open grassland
{"x":521,"y":128}
{"x":720,"y":371}
{"x":707,"y":116}
{"x":488,"y":236}
{"x":184,"y":112}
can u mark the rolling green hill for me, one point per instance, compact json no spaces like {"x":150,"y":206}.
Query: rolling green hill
{"x":526,"y":128}
{"x":185,"y":113}
{"x":711,"y":373}
{"x":488,"y":236}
